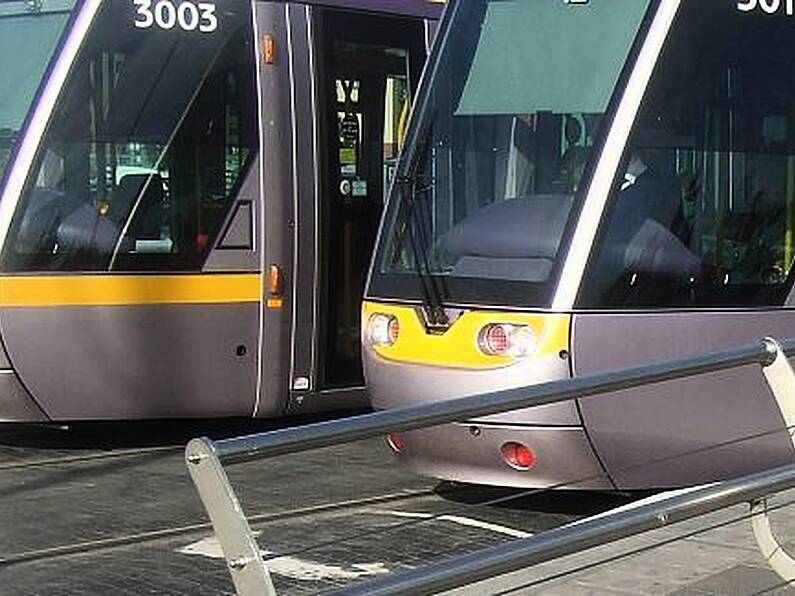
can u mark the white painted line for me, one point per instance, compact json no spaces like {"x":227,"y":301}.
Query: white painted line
{"x":641,"y":502}
{"x":291,"y":567}
{"x":462,"y":521}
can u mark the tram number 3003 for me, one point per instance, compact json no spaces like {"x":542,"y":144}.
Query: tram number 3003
{"x":166,"y":15}
{"x":768,"y":6}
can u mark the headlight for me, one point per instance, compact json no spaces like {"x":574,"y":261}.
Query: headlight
{"x":504,"y":339}
{"x":383,"y":330}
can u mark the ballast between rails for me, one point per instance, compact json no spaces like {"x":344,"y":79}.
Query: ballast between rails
{"x":205,"y":459}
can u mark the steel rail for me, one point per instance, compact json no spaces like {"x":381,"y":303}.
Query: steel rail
{"x":576,"y":537}
{"x":326,"y":434}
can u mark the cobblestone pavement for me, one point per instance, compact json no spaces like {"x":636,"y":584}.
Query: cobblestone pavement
{"x":110,"y":509}
{"x":118,"y":515}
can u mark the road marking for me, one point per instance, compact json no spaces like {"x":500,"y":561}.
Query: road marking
{"x":457,"y":519}
{"x":291,"y":567}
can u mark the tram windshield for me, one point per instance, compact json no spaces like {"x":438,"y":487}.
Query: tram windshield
{"x":703,"y":211}
{"x":505,"y":134}
{"x":147,"y":145}
{"x":29,"y":34}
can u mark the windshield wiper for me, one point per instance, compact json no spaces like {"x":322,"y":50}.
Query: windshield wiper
{"x":412,"y":187}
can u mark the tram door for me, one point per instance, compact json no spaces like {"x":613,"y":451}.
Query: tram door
{"x":370,"y":68}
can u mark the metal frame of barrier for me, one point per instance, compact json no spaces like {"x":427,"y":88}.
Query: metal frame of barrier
{"x":249,"y":571}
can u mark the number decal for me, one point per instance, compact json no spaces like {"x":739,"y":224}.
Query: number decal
{"x":188,"y":16}
{"x":144,"y":9}
{"x":167,"y":15}
{"x":767,"y":6}
{"x":210,"y":21}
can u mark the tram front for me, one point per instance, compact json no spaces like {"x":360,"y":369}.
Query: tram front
{"x":586,"y":186}
{"x":464,"y":278}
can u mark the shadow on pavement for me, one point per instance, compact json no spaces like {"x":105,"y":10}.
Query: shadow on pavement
{"x":563,"y":502}
{"x":108,"y":435}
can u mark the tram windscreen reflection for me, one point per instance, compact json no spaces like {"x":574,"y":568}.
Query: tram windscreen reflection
{"x":28,"y":39}
{"x":514,"y":111}
{"x":146,"y":146}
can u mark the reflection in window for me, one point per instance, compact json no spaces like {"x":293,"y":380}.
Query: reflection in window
{"x":146,"y":149}
{"x":705,"y":211}
{"x":513,"y":113}
{"x":28,"y":39}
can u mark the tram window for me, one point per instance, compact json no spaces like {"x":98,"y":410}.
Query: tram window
{"x":145,"y":151}
{"x":27,"y":41}
{"x":704,"y":210}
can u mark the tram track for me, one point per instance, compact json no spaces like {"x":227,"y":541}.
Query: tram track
{"x":107,"y":544}
{"x":59,"y":461}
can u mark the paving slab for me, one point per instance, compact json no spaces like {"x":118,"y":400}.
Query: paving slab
{"x":82,"y":514}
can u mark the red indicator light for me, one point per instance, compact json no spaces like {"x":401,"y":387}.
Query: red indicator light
{"x":396,"y":442}
{"x":518,"y":456}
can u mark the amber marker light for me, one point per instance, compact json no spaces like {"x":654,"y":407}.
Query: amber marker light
{"x":275,"y":287}
{"x":275,"y":281}
{"x":268,"y":49}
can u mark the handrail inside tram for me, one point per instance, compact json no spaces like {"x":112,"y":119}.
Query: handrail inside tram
{"x":205,"y":459}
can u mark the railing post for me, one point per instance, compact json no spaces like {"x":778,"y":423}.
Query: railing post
{"x":781,"y":380}
{"x":240,"y":548}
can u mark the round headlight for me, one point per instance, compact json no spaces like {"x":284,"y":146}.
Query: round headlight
{"x":383,"y":330}
{"x":504,"y":339}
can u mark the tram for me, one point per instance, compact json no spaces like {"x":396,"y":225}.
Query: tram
{"x":591,"y":185}
{"x":190,"y":193}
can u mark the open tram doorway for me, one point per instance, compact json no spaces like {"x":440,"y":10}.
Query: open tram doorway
{"x":369,"y":70}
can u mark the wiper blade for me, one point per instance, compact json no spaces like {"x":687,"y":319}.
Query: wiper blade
{"x":432,"y":294}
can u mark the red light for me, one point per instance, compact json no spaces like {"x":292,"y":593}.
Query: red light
{"x":518,"y":456}
{"x":393,"y":330}
{"x":494,"y":340}
{"x":396,"y":442}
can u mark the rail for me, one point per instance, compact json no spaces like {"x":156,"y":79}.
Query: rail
{"x":205,"y":459}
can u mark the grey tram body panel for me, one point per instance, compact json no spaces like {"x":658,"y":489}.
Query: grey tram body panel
{"x":189,"y":354}
{"x":673,"y":433}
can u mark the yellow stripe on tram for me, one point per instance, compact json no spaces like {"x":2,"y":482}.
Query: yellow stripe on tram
{"x":128,"y":290}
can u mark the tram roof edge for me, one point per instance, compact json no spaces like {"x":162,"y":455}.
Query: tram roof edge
{"x":419,"y":8}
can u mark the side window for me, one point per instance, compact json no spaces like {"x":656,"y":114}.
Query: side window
{"x":703,"y":210}
{"x":146,"y":150}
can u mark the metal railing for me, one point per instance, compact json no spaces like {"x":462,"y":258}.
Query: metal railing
{"x":205,"y":459}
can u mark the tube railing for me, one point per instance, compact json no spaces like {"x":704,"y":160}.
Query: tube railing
{"x":249,"y":572}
